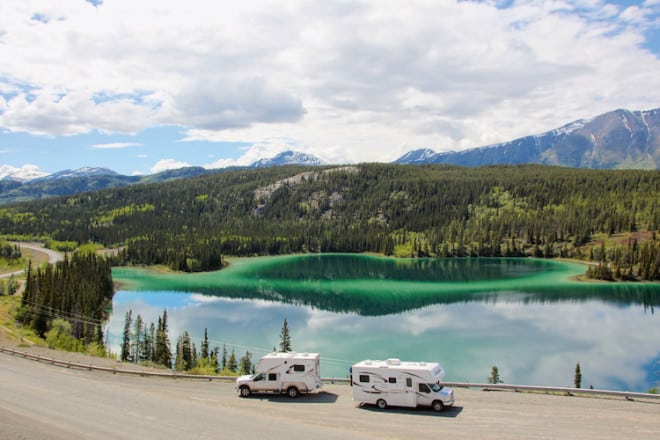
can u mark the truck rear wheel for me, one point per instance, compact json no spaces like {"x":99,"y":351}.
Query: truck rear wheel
{"x":437,"y":406}
{"x":245,"y":391}
{"x":292,"y":392}
{"x":381,"y":404}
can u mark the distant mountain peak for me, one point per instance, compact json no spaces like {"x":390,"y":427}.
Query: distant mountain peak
{"x":421,"y":155}
{"x":288,"y":157}
{"x":81,"y":172}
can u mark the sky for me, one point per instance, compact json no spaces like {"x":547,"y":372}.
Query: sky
{"x":144,"y":86}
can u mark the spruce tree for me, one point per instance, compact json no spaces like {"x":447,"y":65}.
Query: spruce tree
{"x":494,"y":377}
{"x":232,"y":365}
{"x":224,"y":356}
{"x":577,"y":380}
{"x":163,"y":353}
{"x":285,"y":338}
{"x":125,"y":355}
{"x":138,"y":340}
{"x":205,"y":345}
{"x":246,"y":363}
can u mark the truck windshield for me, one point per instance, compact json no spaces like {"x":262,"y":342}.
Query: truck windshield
{"x":435,"y":387}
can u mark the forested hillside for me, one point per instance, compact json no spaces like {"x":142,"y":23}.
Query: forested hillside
{"x":430,"y":210}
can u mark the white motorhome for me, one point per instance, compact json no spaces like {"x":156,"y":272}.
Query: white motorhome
{"x":290,"y":373}
{"x":396,"y":383}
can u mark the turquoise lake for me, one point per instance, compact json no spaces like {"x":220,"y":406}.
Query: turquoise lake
{"x":528,"y":317}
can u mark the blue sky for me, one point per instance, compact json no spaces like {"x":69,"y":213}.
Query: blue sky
{"x":139,"y":87}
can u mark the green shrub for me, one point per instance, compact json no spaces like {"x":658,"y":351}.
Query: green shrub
{"x":59,"y":337}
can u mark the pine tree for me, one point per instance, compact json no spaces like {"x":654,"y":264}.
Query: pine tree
{"x":577,"y":380}
{"x":285,"y":338}
{"x":150,"y":343}
{"x":138,"y":340}
{"x":214,"y":357}
{"x":224,"y":356}
{"x":246,"y":363}
{"x":494,"y":376}
{"x":126,"y":340}
{"x":205,"y":345}
{"x":232,"y":365}
{"x":163,"y":353}
{"x":178,"y":359}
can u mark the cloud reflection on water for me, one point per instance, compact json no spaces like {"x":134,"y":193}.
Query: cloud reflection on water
{"x":531,"y":344}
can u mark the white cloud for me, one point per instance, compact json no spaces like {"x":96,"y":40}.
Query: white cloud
{"x":352,"y":81}
{"x":26,"y":172}
{"x":167,"y":164}
{"x":115,"y":145}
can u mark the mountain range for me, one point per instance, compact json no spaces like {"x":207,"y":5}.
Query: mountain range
{"x":620,"y":139}
{"x":614,"y":140}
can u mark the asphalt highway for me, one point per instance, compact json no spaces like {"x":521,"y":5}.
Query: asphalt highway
{"x":43,"y":401}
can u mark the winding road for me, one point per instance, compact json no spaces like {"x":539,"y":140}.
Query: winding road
{"x":39,"y":400}
{"x":53,"y":256}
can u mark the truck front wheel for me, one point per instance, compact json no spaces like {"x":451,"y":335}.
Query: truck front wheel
{"x":437,"y":406}
{"x":245,"y":391}
{"x":292,"y":392}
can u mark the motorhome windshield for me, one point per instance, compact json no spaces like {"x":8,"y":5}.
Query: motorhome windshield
{"x":435,"y":387}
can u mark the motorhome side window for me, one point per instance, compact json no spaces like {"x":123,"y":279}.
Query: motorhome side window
{"x":392,"y":380}
{"x":299,"y":368}
{"x":364,"y":378}
{"x":423,"y":388}
{"x":408,"y":382}
{"x":272,"y":376}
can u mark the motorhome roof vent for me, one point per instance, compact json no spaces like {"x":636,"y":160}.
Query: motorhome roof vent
{"x":393,"y":362}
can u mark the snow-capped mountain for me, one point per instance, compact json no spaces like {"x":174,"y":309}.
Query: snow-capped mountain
{"x":416,"y":156}
{"x":618,"y":139}
{"x":288,"y":158}
{"x":80,"y":172}
{"x":23,"y":174}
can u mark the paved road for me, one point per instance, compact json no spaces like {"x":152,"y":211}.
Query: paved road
{"x":43,"y":401}
{"x":53,"y":256}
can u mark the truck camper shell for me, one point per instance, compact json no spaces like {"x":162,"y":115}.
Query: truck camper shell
{"x":397,"y":383}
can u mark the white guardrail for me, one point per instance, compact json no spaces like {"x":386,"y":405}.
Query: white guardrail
{"x":629,"y":395}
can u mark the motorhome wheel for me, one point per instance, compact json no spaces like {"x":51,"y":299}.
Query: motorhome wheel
{"x":437,"y":406}
{"x":381,"y":404}
{"x":292,"y":392}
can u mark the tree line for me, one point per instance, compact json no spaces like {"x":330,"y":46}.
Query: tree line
{"x":400,"y":210}
{"x":150,"y":344}
{"x":71,"y":298}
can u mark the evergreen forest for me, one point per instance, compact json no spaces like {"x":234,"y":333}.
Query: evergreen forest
{"x":150,"y":344}
{"x":66,"y":303}
{"x":609,"y":217}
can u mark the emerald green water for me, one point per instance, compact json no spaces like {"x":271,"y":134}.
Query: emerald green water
{"x":524,"y":315}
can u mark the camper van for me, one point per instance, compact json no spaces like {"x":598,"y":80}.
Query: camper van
{"x":290,"y":373}
{"x":396,"y":383}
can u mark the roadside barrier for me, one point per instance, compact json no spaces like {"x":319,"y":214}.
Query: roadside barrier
{"x":587,"y":392}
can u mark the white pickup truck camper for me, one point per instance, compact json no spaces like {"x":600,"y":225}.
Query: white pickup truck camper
{"x":290,"y":373}
{"x":396,"y":383}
